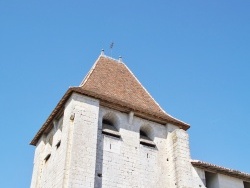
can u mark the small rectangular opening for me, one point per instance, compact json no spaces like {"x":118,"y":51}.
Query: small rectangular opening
{"x":47,"y":157}
{"x":246,"y":184}
{"x":99,"y":175}
{"x":58,"y":144}
{"x":211,"y":179}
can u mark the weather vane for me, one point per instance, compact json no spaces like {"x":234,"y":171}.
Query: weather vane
{"x":111,"y":47}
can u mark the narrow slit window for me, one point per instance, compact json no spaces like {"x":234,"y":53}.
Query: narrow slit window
{"x":58,"y":144}
{"x":99,"y":175}
{"x":47,"y":157}
{"x":109,"y":129}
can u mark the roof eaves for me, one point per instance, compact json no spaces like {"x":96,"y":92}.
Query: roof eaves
{"x":98,"y":96}
{"x":175,"y":119}
{"x":91,"y":70}
{"x":164,"y":116}
{"x":51,"y":116}
{"x":221,"y":170}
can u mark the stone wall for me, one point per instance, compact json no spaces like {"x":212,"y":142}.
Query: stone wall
{"x":76,"y":153}
{"x":124,"y":162}
{"x":72,"y":164}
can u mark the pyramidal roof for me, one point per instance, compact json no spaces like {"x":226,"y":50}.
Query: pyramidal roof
{"x":112,"y":82}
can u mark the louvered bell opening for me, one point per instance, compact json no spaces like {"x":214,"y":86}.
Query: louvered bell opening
{"x":109,"y":129}
{"x":145,"y":140}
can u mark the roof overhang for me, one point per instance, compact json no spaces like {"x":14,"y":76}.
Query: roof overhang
{"x":221,"y":170}
{"x":108,"y":102}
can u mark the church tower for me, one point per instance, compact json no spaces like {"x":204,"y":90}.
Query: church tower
{"x":110,"y":132}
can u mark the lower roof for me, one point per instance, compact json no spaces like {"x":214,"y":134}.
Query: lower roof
{"x":221,"y":170}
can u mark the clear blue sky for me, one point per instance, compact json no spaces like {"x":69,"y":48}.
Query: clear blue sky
{"x":192,"y":56}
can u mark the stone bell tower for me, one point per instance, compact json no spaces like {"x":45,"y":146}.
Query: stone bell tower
{"x":109,"y":132}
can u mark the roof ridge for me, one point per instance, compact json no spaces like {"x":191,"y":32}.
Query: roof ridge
{"x":93,"y":67}
{"x":103,"y":55}
{"x":150,"y":94}
{"x":144,"y":88}
{"x":97,"y":82}
{"x":90,"y":72}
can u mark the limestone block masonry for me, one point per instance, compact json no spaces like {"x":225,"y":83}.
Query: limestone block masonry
{"x":88,"y":158}
{"x":73,"y":163}
{"x":124,"y":162}
{"x":181,"y":159}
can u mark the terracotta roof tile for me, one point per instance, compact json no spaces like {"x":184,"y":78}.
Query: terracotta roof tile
{"x":113,"y":80}
{"x":221,"y":170}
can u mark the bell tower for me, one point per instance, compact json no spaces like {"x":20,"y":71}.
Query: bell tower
{"x":110,"y":132}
